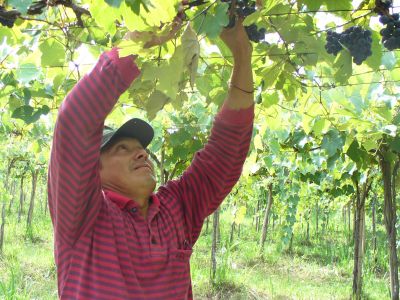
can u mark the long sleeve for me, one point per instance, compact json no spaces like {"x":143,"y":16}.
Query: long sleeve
{"x":215,"y":169}
{"x":74,"y":187}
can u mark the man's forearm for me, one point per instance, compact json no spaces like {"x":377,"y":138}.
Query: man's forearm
{"x":240,"y":93}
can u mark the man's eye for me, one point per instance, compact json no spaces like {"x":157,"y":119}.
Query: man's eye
{"x":122,"y":147}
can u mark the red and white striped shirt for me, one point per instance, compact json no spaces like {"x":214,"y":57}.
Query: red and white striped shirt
{"x":104,"y":249}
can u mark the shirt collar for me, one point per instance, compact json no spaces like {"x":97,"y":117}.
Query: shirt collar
{"x":121,"y":201}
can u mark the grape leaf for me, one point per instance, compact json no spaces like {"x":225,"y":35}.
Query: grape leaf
{"x":332,"y":142}
{"x":134,"y":5}
{"x":105,"y":20}
{"x":358,"y":154}
{"x":270,"y":99}
{"x":212,"y":25}
{"x":339,"y":5}
{"x":344,"y":66}
{"x":27,"y":72}
{"x":311,"y":4}
{"x":374,"y":61}
{"x":20,"y":5}
{"x":155,"y":103}
{"x":114,"y":3}
{"x":53,"y":53}
{"x":191,"y":48}
{"x":389,"y":60}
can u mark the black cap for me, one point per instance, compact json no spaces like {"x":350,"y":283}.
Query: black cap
{"x":134,"y":128}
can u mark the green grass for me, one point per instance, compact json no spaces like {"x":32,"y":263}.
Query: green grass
{"x":318,"y":269}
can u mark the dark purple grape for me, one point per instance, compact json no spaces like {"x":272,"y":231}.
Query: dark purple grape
{"x":390,"y":43}
{"x":384,"y":19}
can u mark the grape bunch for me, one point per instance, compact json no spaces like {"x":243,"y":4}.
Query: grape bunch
{"x":7,"y":22}
{"x":242,"y":9}
{"x":391,"y":33}
{"x":357,"y":40}
{"x":333,"y":45}
{"x":8,"y":17}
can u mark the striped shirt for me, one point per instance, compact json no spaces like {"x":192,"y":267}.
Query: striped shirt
{"x":104,"y":248}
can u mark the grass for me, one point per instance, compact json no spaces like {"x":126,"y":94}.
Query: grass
{"x":318,"y":269}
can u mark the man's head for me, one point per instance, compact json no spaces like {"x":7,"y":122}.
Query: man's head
{"x":124,"y":162}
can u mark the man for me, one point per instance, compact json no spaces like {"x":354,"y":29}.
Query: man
{"x":114,"y":237}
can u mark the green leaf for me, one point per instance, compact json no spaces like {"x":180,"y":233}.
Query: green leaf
{"x":271,"y":74}
{"x":270,"y":99}
{"x":338,"y":5}
{"x":27,"y":73}
{"x":311,"y":4}
{"x":344,"y":66}
{"x":252,"y":18}
{"x":211,"y":24}
{"x":359,"y":155}
{"x":374,"y":61}
{"x":20,"y":5}
{"x":28,"y":114}
{"x":114,"y":3}
{"x":53,"y":53}
{"x":319,"y":125}
{"x":395,"y":144}
{"x":389,"y":60}
{"x":134,"y":5}
{"x":155,"y":103}
{"x":6,"y":34}
{"x":269,"y":5}
{"x":191,"y":47}
{"x":14,"y":102}
{"x":23,"y":112}
{"x":332,"y":142}
{"x":217,"y":96}
{"x":105,"y":20}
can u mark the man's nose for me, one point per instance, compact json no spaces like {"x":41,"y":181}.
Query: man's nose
{"x":141,"y":154}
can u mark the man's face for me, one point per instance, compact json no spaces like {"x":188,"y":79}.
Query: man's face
{"x":125,"y":167}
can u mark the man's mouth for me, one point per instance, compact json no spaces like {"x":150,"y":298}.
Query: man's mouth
{"x":142,"y":166}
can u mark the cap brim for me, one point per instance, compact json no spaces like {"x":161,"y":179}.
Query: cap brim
{"x":134,"y":128}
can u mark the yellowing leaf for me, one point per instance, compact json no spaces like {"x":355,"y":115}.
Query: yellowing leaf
{"x":258,"y":142}
{"x":191,"y":48}
{"x":160,"y":11}
{"x":155,"y":103}
{"x":104,"y":15}
{"x":129,"y":47}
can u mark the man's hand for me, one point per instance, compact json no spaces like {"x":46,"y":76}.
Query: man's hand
{"x":153,"y":39}
{"x":237,"y":41}
{"x":240,"y":93}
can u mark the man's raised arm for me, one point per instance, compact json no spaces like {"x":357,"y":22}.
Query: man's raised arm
{"x":216,"y":168}
{"x":73,"y":181}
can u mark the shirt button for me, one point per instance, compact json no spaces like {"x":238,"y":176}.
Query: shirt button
{"x":153,"y":240}
{"x":133,"y":209}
